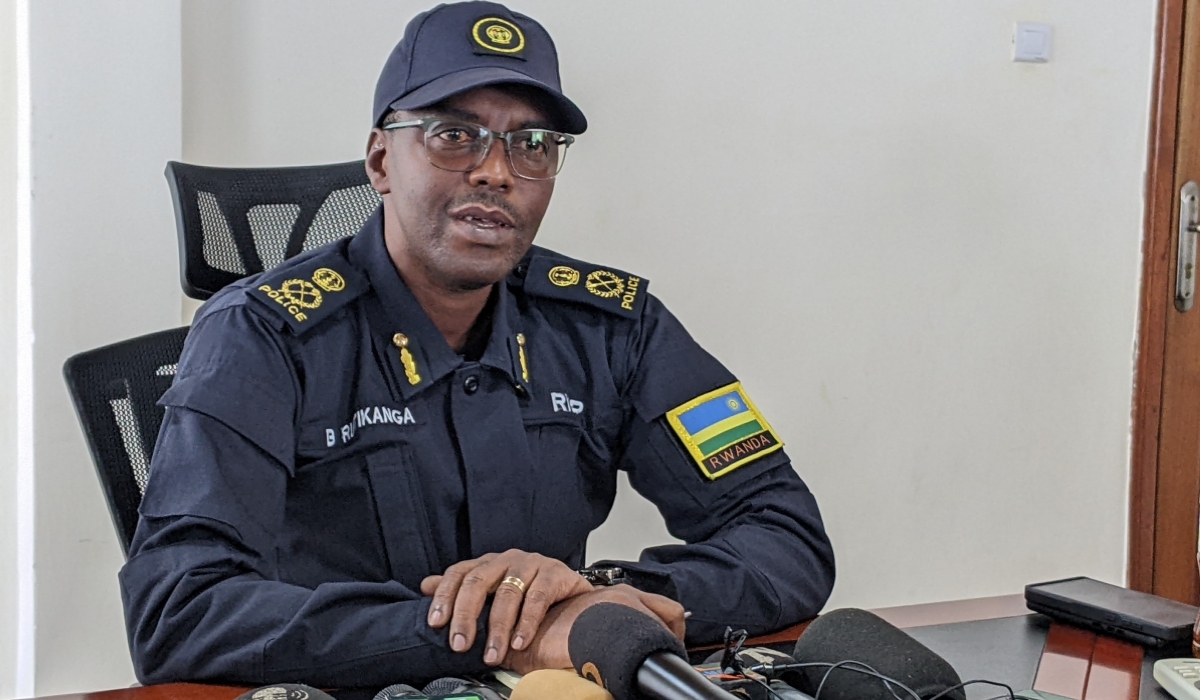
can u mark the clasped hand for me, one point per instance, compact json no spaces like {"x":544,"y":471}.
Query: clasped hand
{"x":527,"y":628}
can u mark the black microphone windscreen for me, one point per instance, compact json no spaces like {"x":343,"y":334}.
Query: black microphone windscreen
{"x":857,"y":635}
{"x":608,"y":643}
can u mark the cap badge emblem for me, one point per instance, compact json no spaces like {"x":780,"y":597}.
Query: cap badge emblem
{"x":499,"y":35}
{"x":329,"y":280}
{"x":563,"y":276}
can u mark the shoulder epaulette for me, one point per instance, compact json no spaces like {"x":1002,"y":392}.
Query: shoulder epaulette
{"x":307,"y":292}
{"x":558,"y":277}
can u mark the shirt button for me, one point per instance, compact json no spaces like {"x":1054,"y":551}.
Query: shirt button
{"x":521,"y":270}
{"x":471,"y":384}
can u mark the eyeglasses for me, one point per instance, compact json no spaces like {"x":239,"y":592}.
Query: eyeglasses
{"x":534,"y":154}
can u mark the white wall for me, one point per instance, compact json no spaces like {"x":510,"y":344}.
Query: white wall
{"x":921,"y":258}
{"x":8,"y":347}
{"x":105,"y":93}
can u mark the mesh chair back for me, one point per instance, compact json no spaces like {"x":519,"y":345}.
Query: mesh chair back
{"x":235,"y":222}
{"x":116,"y":391}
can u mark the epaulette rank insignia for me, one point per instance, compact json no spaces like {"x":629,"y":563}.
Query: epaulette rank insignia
{"x":612,"y":290}
{"x":306,"y":294}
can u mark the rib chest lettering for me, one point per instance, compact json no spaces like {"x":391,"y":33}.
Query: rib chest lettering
{"x":371,"y":416}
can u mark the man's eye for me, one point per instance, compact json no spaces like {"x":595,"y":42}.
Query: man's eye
{"x":535,"y":143}
{"x":455,"y":135}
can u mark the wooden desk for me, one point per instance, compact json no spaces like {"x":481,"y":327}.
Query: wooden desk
{"x":1075,"y":663}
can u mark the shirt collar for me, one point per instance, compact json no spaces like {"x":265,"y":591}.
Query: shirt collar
{"x":506,"y":350}
{"x":397,"y":318}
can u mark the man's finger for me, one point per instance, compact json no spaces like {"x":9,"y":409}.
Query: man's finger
{"x":511,"y":592}
{"x":537,"y":601}
{"x":667,"y":610}
{"x":477,"y":584}
{"x":640,"y":606}
{"x":447,"y":590}
{"x":552,"y":588}
{"x":429,"y":584}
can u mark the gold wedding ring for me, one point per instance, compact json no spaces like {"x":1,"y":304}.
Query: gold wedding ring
{"x":515,"y":583}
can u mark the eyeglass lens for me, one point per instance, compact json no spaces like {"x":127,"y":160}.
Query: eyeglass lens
{"x":536,"y":154}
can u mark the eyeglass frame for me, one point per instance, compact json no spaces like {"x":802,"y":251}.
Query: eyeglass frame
{"x":491,"y":136}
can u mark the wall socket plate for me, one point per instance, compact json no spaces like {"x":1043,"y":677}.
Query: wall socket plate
{"x":1031,"y":42}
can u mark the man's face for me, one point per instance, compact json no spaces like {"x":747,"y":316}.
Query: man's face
{"x":462,"y":231}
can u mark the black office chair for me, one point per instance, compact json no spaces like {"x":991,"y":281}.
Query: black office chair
{"x":234,"y":222}
{"x":116,"y":390}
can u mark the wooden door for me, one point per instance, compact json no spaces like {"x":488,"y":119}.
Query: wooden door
{"x":1165,"y":488}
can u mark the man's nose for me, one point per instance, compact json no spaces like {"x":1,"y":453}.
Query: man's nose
{"x":495,"y":170}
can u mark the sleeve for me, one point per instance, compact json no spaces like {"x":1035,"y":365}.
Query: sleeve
{"x":202,"y":596}
{"x":756,"y":555}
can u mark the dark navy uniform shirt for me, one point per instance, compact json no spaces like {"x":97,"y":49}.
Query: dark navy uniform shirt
{"x":324,"y":450}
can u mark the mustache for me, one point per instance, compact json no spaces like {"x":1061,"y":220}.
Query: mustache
{"x":493,"y":201}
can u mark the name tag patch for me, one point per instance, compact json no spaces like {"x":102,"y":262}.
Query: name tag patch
{"x":374,"y":415}
{"x":722,"y":430}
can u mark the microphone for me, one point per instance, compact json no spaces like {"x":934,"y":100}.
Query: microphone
{"x":857,"y":635}
{"x":455,"y":688}
{"x":783,"y":691}
{"x":761,"y":660}
{"x":460,"y":690}
{"x":285,"y":691}
{"x":554,"y":684}
{"x":628,"y":653}
{"x":399,"y":691}
{"x":775,"y":666}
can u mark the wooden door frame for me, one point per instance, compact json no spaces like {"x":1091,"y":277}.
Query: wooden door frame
{"x":1157,"y":284}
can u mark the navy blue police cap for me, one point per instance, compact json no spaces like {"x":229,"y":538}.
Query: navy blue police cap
{"x":454,"y":48}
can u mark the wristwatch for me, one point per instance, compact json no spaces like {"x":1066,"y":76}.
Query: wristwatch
{"x":604,"y":575}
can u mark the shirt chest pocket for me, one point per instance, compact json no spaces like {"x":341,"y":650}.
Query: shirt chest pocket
{"x":402,"y":513}
{"x":356,"y":517}
{"x":571,"y":493}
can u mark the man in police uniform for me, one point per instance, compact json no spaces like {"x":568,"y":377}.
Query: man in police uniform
{"x":381,"y":460}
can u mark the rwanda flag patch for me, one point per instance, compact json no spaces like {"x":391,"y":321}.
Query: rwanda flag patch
{"x":722,"y":430}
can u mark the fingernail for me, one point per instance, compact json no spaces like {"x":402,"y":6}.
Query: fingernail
{"x":491,"y":656}
{"x":459,"y":642}
{"x":687,"y":614}
{"x":436,"y":615}
{"x":518,"y":642}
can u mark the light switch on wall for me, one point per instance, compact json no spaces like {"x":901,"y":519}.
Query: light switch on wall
{"x":1031,"y":42}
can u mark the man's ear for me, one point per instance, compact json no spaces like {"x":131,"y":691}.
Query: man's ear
{"x":376,"y":161}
